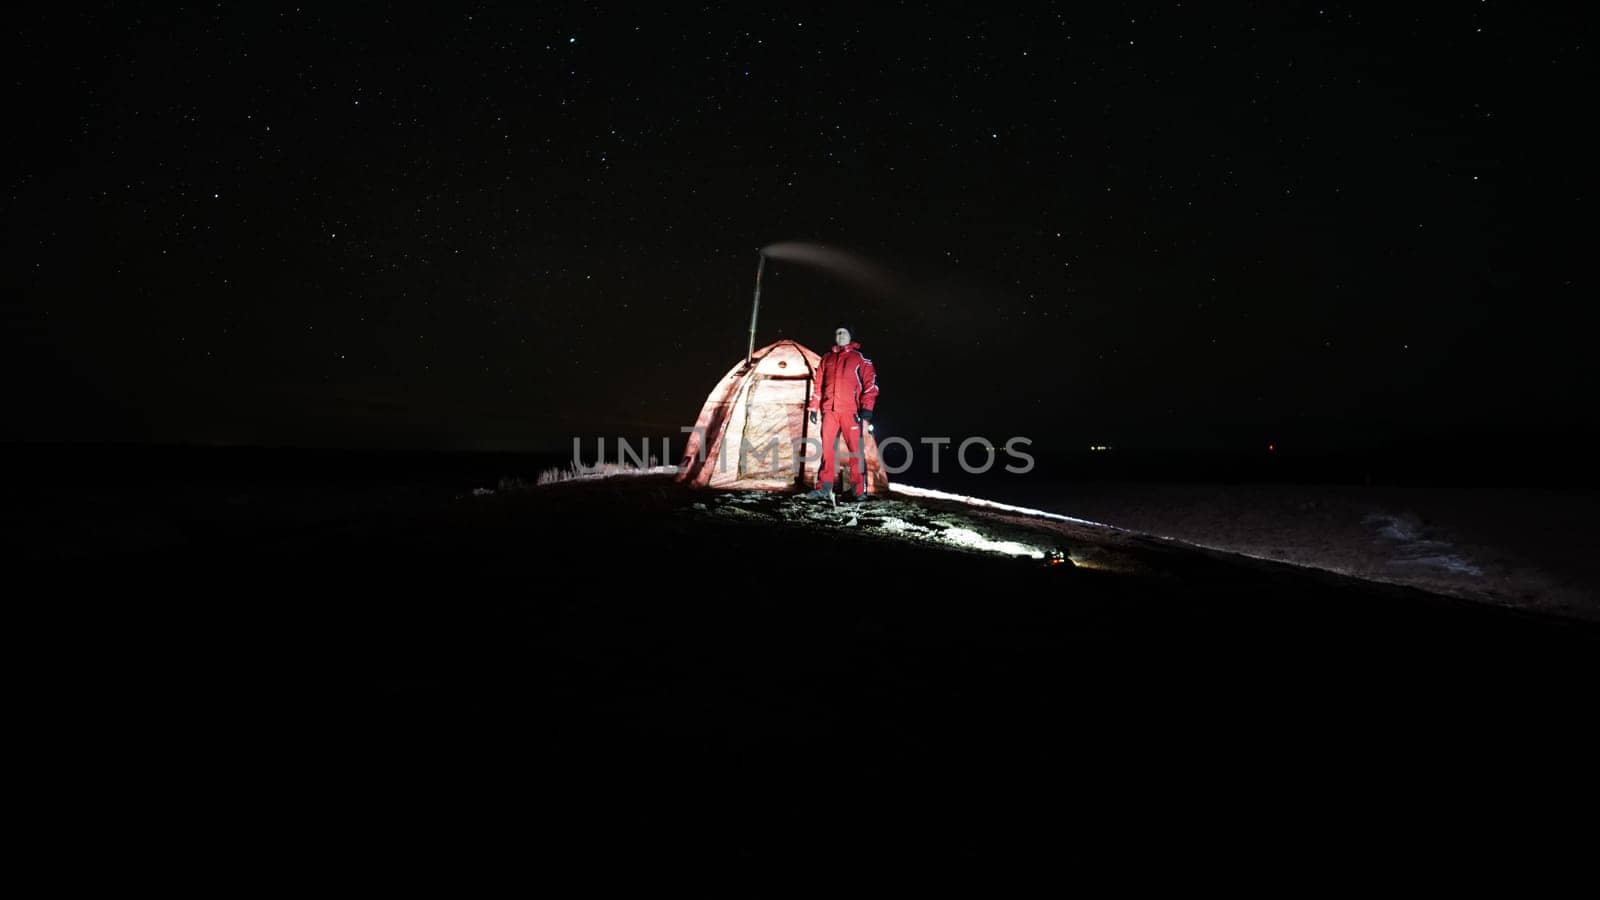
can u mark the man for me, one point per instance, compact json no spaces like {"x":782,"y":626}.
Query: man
{"x":845,"y":395}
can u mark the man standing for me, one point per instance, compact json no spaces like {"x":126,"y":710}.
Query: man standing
{"x":845,"y":395}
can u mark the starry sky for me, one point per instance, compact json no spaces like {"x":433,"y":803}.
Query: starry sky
{"x":475,"y":227}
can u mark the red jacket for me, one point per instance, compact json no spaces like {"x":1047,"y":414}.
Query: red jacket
{"x":846,"y":381}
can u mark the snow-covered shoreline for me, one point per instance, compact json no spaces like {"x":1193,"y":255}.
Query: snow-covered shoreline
{"x":1526,"y":548}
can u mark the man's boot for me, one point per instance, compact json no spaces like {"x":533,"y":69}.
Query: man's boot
{"x":823,"y":491}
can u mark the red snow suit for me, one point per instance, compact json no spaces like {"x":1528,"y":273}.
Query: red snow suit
{"x":847,"y":383}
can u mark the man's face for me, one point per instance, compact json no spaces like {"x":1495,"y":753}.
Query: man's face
{"x":841,"y":337}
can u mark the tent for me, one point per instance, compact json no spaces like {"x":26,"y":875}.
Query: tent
{"x":761,"y":409}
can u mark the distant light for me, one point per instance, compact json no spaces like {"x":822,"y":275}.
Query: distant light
{"x":1271,"y":448}
{"x":572,"y":40}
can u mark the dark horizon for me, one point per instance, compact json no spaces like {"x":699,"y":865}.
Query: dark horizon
{"x":1500,"y":460}
{"x":1183,"y":229}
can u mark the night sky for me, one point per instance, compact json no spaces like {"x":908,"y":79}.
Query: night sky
{"x":1184,"y":226}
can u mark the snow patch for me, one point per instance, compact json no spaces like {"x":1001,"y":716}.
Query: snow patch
{"x":932,"y":494}
{"x":966,"y":537}
{"x":1412,"y":548}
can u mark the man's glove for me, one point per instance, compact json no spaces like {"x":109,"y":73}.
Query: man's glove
{"x":864,"y":416}
{"x":813,"y":414}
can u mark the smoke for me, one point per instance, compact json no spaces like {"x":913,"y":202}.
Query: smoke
{"x":846,"y":265}
{"x":935,"y":306}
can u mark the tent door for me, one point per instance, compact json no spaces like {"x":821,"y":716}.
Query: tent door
{"x":775,"y":416}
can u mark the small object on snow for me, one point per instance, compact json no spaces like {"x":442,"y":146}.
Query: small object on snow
{"x":1058,"y":557}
